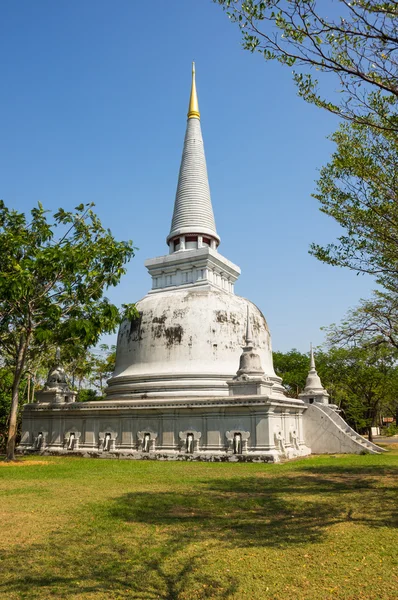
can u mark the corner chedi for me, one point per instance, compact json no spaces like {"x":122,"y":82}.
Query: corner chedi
{"x":176,"y":393}
{"x":314,"y":390}
{"x":56,"y":388}
{"x":250,"y":378}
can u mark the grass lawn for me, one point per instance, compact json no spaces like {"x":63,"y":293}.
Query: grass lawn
{"x":317,"y":528}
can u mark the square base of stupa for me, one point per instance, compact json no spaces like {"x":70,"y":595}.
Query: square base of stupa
{"x":245,"y":429}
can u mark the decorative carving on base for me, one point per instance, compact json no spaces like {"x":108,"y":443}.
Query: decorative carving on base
{"x":294,"y":439}
{"x":39,"y":441}
{"x":237,"y":441}
{"x":147,"y":440}
{"x":71,"y":439}
{"x":107,"y":440}
{"x":280,"y":441}
{"x":189,"y":441}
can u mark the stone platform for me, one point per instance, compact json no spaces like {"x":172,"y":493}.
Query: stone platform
{"x":231,"y":428}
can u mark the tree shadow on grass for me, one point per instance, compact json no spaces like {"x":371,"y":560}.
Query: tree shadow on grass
{"x":66,"y":568}
{"x":167,"y":559}
{"x":292,"y":509}
{"x":372,"y":469}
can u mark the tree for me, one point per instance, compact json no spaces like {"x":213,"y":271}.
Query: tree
{"x":359,"y":47}
{"x":364,"y":381}
{"x":359,"y":189}
{"x":87,"y":395}
{"x":293,"y":367}
{"x":361,"y":380}
{"x":53,"y":275}
{"x":373,"y":323}
{"x":104,"y":365}
{"x":6,"y":377}
{"x":80,"y":365}
{"x":91,"y":371}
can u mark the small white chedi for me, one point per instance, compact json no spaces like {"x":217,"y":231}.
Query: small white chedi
{"x":194,"y":376}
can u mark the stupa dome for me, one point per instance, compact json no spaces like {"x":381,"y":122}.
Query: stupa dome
{"x":186,"y":342}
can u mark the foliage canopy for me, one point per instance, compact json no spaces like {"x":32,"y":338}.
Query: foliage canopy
{"x":53,"y":275}
{"x":354,"y":44}
{"x":358,"y":46}
{"x":358,"y":188}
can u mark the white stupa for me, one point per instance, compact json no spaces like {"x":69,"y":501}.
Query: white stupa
{"x":188,"y":339}
{"x":194,"y":377}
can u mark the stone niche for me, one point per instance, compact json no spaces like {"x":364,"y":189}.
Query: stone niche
{"x":237,"y":441}
{"x":39,"y":440}
{"x":107,"y":439}
{"x":147,"y":440}
{"x":189,"y":441}
{"x":71,"y":439}
{"x":280,"y":441}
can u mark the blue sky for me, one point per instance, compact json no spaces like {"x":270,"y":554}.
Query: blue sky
{"x":93,"y":108}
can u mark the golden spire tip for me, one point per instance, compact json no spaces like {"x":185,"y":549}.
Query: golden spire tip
{"x":193,"y":110}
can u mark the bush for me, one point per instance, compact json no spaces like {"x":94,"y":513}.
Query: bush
{"x":391,"y":430}
{"x":87,"y":396}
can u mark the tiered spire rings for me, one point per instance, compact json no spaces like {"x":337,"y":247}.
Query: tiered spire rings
{"x":193,"y":212}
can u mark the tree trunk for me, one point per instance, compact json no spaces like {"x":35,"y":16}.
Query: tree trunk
{"x":12,"y":428}
{"x":370,"y":434}
{"x":32,"y":397}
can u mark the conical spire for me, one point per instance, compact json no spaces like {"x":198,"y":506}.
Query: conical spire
{"x":193,"y":211}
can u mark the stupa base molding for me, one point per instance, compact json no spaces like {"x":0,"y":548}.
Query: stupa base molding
{"x":230,"y":429}
{"x":233,"y":429}
{"x":271,"y":456}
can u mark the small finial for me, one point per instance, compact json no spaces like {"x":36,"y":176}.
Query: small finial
{"x":312,"y":359}
{"x":58,"y":354}
{"x":193,"y":110}
{"x":249,"y":336}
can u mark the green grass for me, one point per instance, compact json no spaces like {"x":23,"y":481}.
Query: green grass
{"x":319,"y":528}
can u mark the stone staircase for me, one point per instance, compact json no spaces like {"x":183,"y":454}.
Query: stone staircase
{"x":335,"y":416}
{"x":326,"y":432}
